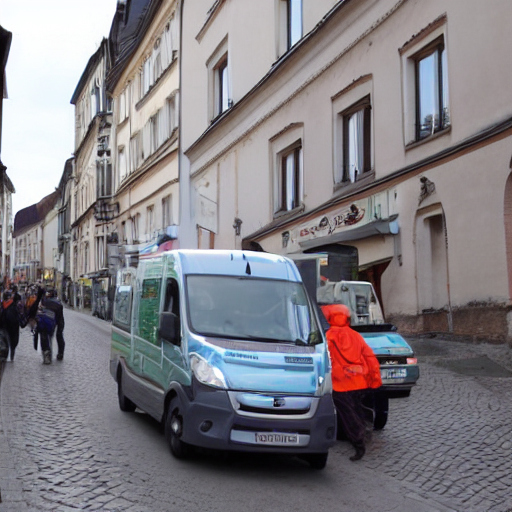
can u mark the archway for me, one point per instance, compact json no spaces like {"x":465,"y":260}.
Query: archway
{"x":507,"y":212}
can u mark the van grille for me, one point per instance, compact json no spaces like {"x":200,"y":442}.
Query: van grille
{"x":274,"y":411}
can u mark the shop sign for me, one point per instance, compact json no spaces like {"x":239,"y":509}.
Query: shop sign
{"x":345,"y":218}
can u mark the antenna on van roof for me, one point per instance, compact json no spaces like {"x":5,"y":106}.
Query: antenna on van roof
{"x":248,"y":269}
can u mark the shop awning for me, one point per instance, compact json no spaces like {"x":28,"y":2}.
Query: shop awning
{"x":376,"y":228}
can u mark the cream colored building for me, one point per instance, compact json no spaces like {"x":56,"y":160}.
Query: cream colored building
{"x":91,"y":218}
{"x":34,"y":241}
{"x":382,"y":125}
{"x":144,"y":85}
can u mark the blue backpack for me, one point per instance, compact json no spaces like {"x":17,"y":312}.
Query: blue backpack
{"x":46,"y":321}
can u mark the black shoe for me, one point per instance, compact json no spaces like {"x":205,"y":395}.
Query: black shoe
{"x":360,"y":451}
{"x":60,"y":357}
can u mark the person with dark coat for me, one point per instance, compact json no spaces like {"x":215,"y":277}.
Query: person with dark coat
{"x":354,"y":369}
{"x":42,"y":321}
{"x":53,"y":303}
{"x":11,"y":319}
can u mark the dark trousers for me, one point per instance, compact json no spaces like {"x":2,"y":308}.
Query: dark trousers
{"x":351,"y":414}
{"x":14,"y":337}
{"x":60,"y":339}
{"x":46,"y":340}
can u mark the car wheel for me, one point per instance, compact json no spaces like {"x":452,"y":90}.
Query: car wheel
{"x":317,"y":460}
{"x":174,"y":430}
{"x":125,"y":404}
{"x":381,"y":408}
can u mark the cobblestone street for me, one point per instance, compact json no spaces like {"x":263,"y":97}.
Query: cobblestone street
{"x":64,"y":444}
{"x":453,"y":436}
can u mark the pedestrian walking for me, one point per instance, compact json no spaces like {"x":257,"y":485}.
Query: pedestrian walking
{"x":42,"y":321}
{"x":354,"y":369}
{"x":11,"y":319}
{"x":53,"y":303}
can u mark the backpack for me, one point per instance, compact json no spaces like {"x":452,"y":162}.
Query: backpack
{"x":46,"y":321}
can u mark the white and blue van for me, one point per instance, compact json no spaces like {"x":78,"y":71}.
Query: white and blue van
{"x":226,"y":350}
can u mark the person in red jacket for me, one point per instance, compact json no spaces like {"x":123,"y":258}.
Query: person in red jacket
{"x":354,"y":369}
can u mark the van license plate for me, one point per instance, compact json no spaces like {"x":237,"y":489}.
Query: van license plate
{"x":275,"y":438}
{"x":394,"y":373}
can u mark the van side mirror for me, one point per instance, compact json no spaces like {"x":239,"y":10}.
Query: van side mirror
{"x":169,"y":328}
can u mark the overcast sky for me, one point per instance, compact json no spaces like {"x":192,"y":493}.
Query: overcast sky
{"x":52,"y":42}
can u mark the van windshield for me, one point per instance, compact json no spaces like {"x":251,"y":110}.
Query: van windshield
{"x":251,"y":309}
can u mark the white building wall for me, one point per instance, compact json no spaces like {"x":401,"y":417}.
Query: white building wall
{"x":364,"y":48}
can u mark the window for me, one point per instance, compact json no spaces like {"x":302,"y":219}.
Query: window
{"x":287,"y":168}
{"x":166,"y":211}
{"x":170,"y":106}
{"x":161,"y":57}
{"x":123,"y":307}
{"x":86,"y":258}
{"x":150,"y":221}
{"x":356,"y":137}
{"x":149,"y":303}
{"x":426,"y":106}
{"x":100,"y":251}
{"x":104,"y":178}
{"x":293,"y":21}
{"x":154,"y":138}
{"x":121,"y":156}
{"x":432,"y":114}
{"x":172,"y":297}
{"x":290,"y":179}
{"x":288,"y":25}
{"x":219,"y":97}
{"x":124,"y":104}
{"x":136,"y":152}
{"x":135,"y":221}
{"x":221,"y":87}
{"x":157,"y":59}
{"x":95,"y":101}
{"x":75,"y":261}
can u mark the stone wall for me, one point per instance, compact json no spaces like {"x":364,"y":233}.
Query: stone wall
{"x":483,"y":322}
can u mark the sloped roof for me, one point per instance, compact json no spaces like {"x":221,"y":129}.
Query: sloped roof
{"x":35,"y":213}
{"x":89,"y":69}
{"x":126,"y":32}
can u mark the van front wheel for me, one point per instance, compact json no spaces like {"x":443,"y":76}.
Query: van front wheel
{"x":174,"y":430}
{"x":125,"y":404}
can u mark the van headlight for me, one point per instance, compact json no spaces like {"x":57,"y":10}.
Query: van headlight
{"x":206,"y":373}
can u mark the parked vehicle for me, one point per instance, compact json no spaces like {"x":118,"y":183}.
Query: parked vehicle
{"x":398,"y":365}
{"x":226,"y":350}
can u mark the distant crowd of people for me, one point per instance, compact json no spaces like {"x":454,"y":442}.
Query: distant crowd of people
{"x":39,"y":309}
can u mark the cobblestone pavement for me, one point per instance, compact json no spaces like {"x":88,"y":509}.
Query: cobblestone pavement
{"x":65,"y":446}
{"x":453,"y":436}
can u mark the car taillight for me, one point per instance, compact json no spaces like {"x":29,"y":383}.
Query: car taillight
{"x":412,"y":360}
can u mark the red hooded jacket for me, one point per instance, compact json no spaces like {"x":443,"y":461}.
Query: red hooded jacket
{"x":354,"y":365}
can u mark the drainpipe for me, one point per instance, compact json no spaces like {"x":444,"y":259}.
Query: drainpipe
{"x":185,"y":236}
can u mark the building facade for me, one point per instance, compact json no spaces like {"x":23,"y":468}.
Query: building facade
{"x":34,"y":242}
{"x":91,"y":192}
{"x":384,"y":126}
{"x":64,"y":235}
{"x":144,"y":85}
